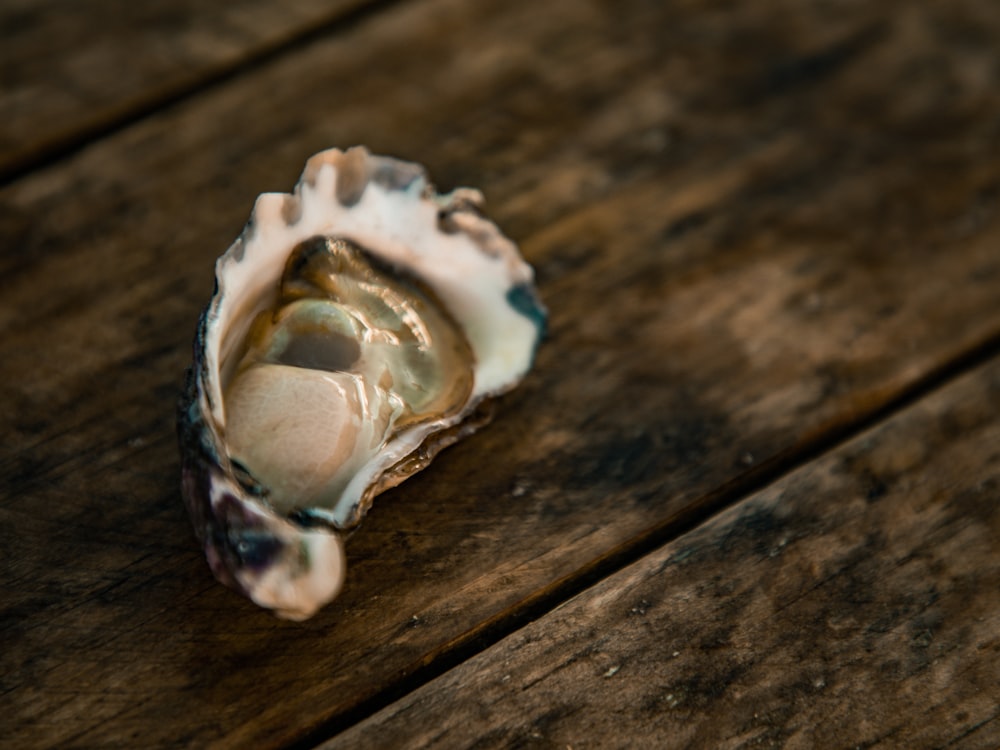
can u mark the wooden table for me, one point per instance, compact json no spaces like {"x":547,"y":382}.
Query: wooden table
{"x":750,"y":495}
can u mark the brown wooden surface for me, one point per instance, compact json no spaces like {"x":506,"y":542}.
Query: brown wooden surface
{"x":71,"y":71}
{"x":854,"y":603}
{"x":759,"y":227}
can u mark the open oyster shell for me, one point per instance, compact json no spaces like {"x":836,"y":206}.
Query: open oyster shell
{"x":358,"y":326}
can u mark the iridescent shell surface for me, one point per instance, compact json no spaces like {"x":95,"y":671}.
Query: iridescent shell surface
{"x":359,"y":325}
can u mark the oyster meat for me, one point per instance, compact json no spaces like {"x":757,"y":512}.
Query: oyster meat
{"x":359,"y":325}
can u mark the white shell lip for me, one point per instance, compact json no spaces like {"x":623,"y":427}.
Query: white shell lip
{"x":387,"y":206}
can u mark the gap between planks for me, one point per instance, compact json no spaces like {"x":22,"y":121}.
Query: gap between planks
{"x":694,"y":515}
{"x":54,"y":149}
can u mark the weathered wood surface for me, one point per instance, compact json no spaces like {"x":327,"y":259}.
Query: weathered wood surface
{"x":756,"y":226}
{"x":855,"y":603}
{"x":71,"y":70}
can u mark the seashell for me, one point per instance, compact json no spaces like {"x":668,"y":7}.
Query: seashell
{"x":359,"y":325}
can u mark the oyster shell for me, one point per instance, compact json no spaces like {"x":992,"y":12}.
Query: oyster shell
{"x":359,"y":325}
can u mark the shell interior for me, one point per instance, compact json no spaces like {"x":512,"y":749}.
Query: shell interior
{"x":351,"y":355}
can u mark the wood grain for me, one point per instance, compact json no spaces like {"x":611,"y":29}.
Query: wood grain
{"x":748,"y":240}
{"x":72,"y":71}
{"x":852,"y":604}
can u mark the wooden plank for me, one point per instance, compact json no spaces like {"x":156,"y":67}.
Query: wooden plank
{"x":72,"y":71}
{"x":737,"y":263}
{"x":852,"y":604}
